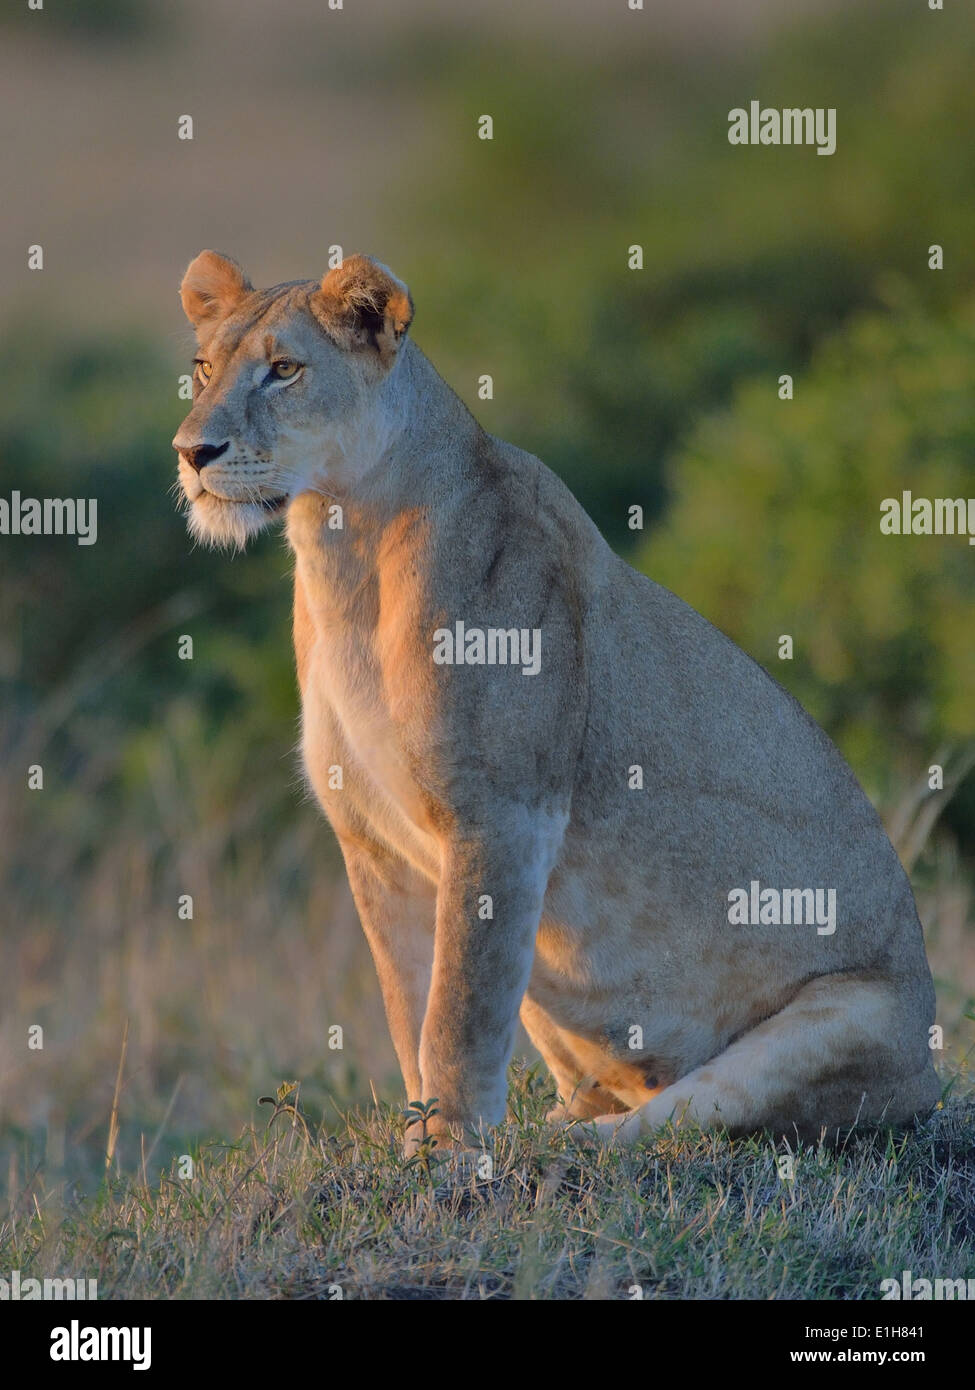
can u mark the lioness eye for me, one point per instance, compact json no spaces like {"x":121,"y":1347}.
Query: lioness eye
{"x":206,"y":369}
{"x":285,"y":369}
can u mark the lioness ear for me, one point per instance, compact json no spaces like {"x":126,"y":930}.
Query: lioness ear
{"x":212,"y":286}
{"x":362,"y":305}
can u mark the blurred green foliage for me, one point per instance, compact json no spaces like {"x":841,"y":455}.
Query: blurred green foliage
{"x":751,"y":255}
{"x":87,"y":20}
{"x":775,"y":528}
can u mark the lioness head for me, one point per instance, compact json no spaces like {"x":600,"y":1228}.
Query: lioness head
{"x":285,"y":384}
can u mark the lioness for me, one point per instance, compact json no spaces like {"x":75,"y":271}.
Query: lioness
{"x":557,"y":788}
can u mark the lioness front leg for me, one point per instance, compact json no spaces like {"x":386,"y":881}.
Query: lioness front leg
{"x":488,"y":909}
{"x":397,"y":908}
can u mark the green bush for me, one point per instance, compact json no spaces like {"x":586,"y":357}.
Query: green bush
{"x":775,"y":528}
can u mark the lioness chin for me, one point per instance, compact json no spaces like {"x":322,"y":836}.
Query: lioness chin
{"x":558,"y":789}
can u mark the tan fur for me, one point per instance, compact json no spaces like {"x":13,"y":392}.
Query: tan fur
{"x":466,"y":785}
{"x":363,"y":306}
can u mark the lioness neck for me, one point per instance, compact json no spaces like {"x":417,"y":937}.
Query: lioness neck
{"x":404,"y":465}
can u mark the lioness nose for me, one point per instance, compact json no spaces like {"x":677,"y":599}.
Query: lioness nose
{"x":201,"y":454}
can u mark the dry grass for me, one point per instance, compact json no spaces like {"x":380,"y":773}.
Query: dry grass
{"x":292,"y":1213}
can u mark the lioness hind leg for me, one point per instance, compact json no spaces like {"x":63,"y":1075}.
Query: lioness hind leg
{"x":846,"y":1050}
{"x":579,"y":1098}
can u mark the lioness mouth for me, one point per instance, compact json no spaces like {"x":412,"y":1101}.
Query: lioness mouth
{"x":267,"y":504}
